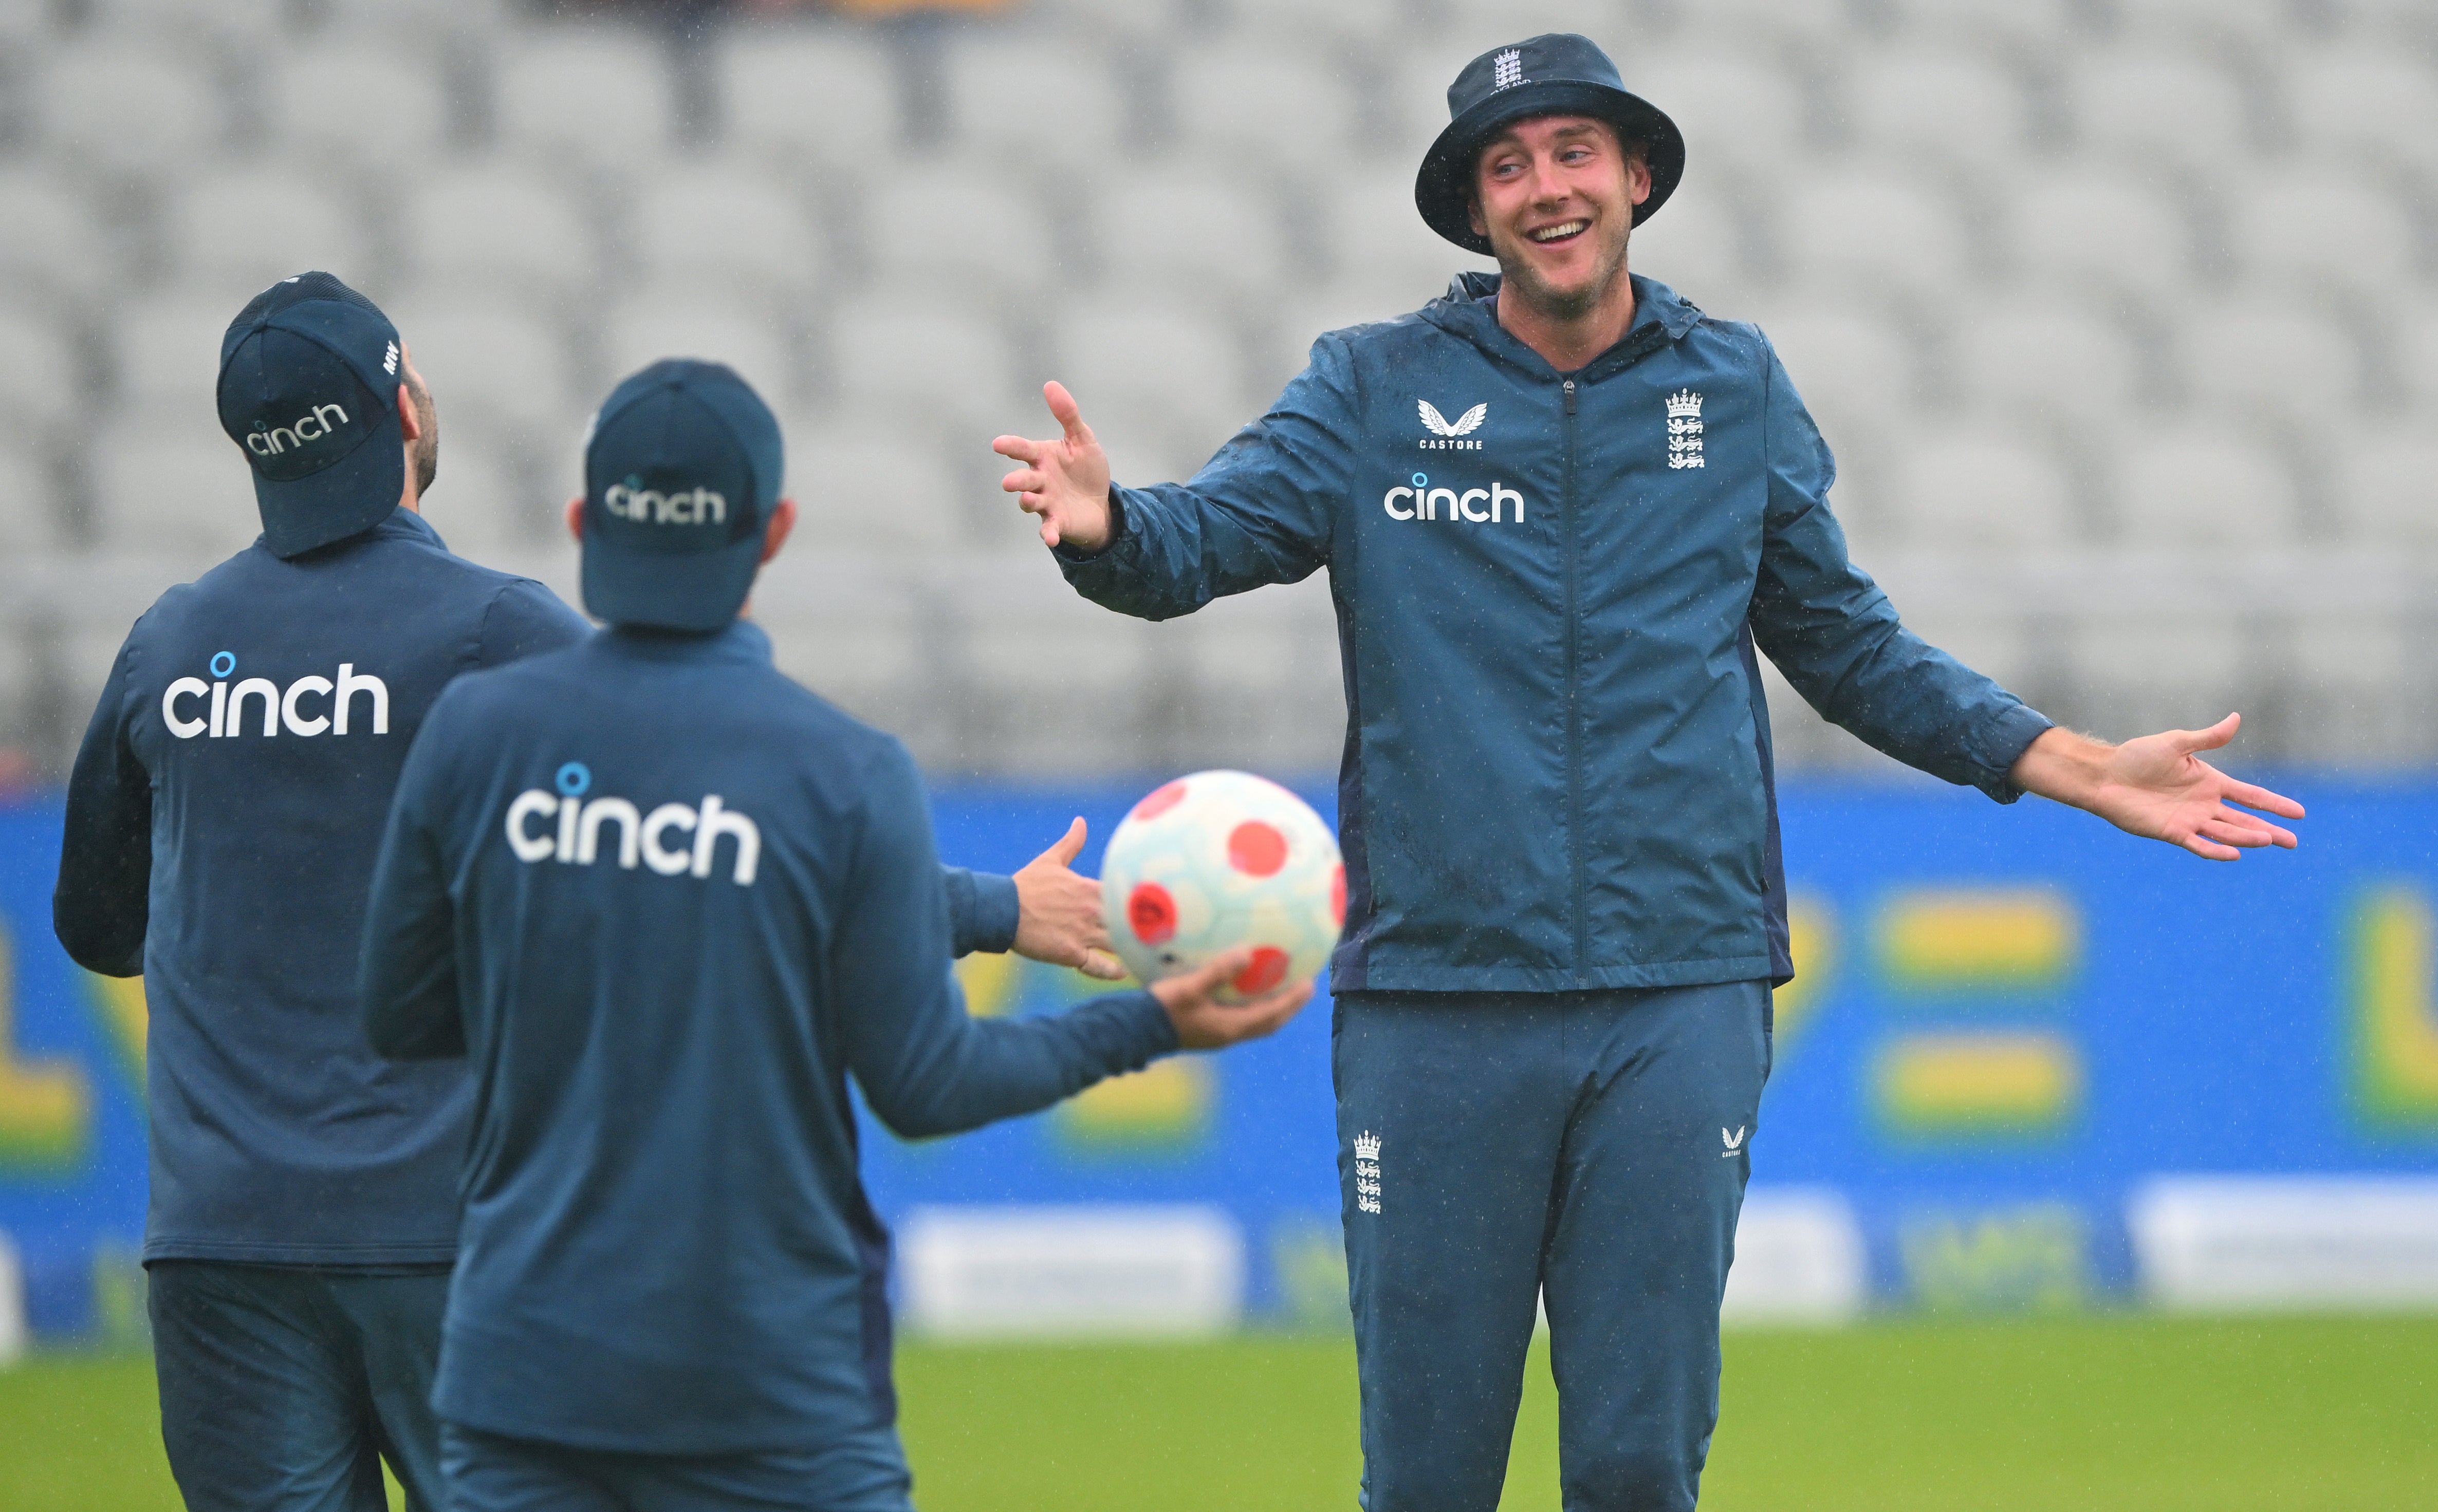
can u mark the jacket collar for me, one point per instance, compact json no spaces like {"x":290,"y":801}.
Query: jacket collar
{"x":1466,"y":310}
{"x":742,"y":643}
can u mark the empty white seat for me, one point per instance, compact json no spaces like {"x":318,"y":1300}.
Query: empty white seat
{"x":165,"y":350}
{"x":1801,"y":23}
{"x":1870,"y":227}
{"x":124,"y":105}
{"x":2156,"y":101}
{"x":2043,"y":358}
{"x":2193,"y":21}
{"x":32,"y":519}
{"x":2039,"y":22}
{"x":1935,"y":103}
{"x":2201,"y":490}
{"x":500,"y":366}
{"x":499,"y":228}
{"x":235,"y":22}
{"x":828,"y":93}
{"x":847,"y":626}
{"x":2386,"y":491}
{"x":2320,"y":225}
{"x":751,"y":339}
{"x":313,"y":99}
{"x":1696,"y":244}
{"x":2272,"y":357}
{"x":245,"y":229}
{"x":1190,"y":231}
{"x":2092,"y":226}
{"x":1153,"y":374}
{"x":2414,"y":335}
{"x":418,"y":21}
{"x":726,"y":224}
{"x":1034,"y":99}
{"x":172,"y":486}
{"x":1731,"y":106}
{"x":1138,"y":22}
{"x":952,"y":223}
{"x":1223,"y":101}
{"x":2376,"y":100}
{"x":597,"y":94}
{"x":1375,"y":242}
{"x":897,"y":355}
{"x":485,"y":502}
{"x":42,"y":374}
{"x":1294,"y":22}
{"x":1844,"y":358}
{"x":1981,"y":491}
{"x":51,"y":239}
{"x":879,"y":490}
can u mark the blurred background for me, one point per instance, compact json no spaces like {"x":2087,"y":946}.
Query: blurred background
{"x":2121,"y":316}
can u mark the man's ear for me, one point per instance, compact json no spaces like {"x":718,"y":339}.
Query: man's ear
{"x":575,"y":520}
{"x":1472,"y":213}
{"x":1637,"y":180}
{"x":410,"y":420}
{"x":782,"y":524}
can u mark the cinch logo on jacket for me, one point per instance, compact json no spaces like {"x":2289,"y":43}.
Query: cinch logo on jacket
{"x":1422,"y":501}
{"x":225,"y":716}
{"x":571,"y":830}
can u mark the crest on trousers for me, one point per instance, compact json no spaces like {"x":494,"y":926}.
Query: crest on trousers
{"x":1367,"y":1171}
{"x":1685,"y":429}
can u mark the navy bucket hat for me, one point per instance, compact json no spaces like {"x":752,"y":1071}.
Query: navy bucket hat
{"x":682,"y":471}
{"x":308,"y":391}
{"x":1556,"y":74}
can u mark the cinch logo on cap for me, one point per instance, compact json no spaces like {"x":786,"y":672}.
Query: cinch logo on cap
{"x":266,"y":441}
{"x":693,"y":506}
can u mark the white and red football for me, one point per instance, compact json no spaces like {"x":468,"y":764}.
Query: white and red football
{"x":1221,"y":859}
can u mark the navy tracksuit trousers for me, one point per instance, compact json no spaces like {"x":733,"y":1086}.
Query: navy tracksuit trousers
{"x":1588,"y":1149}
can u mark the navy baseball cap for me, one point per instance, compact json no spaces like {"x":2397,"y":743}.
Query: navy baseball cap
{"x":681,"y":473}
{"x":1556,"y":74}
{"x":308,"y":391}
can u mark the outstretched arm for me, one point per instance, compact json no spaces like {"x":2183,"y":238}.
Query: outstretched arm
{"x":2159,"y":788}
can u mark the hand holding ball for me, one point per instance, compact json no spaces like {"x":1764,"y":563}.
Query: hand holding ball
{"x":1221,"y":860}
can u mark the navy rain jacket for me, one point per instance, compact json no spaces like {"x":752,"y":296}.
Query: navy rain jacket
{"x":1549,"y":589}
{"x":222,"y":826}
{"x":667,"y":902}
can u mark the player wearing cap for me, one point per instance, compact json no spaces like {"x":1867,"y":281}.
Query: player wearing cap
{"x":221,"y":821}
{"x":667,"y":902}
{"x":1562,"y":512}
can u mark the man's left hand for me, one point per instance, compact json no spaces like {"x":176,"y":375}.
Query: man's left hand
{"x":1058,"y":913}
{"x":2160,"y":788}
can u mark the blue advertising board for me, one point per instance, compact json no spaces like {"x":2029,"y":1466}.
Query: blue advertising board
{"x":2003,"y":1020}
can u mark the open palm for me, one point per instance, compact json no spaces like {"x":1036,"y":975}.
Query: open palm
{"x":2159,"y":788}
{"x":1065,"y":481}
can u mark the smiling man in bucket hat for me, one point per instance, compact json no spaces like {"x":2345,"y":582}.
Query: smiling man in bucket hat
{"x":1566,"y":906}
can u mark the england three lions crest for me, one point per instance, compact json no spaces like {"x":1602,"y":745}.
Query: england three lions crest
{"x":1685,"y":429}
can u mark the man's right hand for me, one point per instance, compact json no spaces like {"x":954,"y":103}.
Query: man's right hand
{"x":1066,"y":481}
{"x":1204,"y":1023}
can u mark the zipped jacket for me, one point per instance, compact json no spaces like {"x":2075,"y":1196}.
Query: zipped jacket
{"x":1551,"y":588}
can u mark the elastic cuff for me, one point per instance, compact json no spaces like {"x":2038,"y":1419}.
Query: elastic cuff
{"x":2010,"y":734}
{"x":998,"y":910}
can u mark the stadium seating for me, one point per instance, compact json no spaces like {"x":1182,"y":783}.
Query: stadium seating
{"x":2083,"y":293}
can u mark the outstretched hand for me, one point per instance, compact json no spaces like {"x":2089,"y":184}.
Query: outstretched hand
{"x":2159,"y":788}
{"x":1066,"y":481}
{"x":1204,"y":1023}
{"x":1058,"y":912}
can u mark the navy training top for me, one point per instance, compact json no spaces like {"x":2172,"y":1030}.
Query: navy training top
{"x":667,"y":901}
{"x":223,"y":819}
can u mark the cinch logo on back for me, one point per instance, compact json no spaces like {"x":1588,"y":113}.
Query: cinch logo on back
{"x":695,"y":506}
{"x":1422,"y":501}
{"x":227,"y":711}
{"x":267,"y":442}
{"x":573,"y":832}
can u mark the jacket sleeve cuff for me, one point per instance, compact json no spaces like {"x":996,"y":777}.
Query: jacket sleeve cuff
{"x":1123,"y":547}
{"x":2003,"y":742}
{"x":995,"y":913}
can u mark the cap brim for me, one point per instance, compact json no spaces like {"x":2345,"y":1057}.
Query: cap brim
{"x":1442,"y":187}
{"x":668,"y":590}
{"x":347,"y":497}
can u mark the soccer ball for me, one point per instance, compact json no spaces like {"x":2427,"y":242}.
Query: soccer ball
{"x":1217,"y":860}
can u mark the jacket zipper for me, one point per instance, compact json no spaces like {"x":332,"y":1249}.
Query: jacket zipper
{"x":1574,"y":707}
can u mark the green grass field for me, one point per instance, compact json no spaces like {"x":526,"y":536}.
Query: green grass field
{"x":2164,"y":1415}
